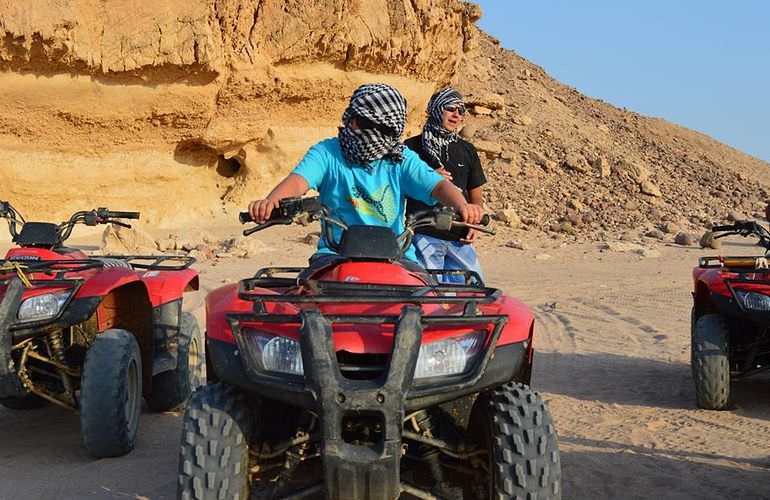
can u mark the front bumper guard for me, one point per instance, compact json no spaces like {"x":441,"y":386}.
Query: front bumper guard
{"x":10,"y":383}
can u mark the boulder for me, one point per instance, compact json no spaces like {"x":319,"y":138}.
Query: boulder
{"x":684,"y":238}
{"x":708,"y":241}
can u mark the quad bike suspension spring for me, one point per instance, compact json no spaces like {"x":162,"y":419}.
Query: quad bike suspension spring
{"x":55,"y":347}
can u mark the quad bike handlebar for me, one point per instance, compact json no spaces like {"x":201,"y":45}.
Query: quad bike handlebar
{"x":744,"y":228}
{"x":443,"y":218}
{"x":93,"y":217}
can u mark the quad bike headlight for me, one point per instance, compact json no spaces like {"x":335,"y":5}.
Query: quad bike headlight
{"x":274,"y":353}
{"x":449,"y":356}
{"x":753,"y":300}
{"x":43,"y":306}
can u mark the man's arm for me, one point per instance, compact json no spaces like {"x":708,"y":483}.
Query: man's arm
{"x":476,"y":196}
{"x":447,"y":194}
{"x":292,"y":185}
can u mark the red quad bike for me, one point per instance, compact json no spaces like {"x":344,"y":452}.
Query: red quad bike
{"x":365,"y":378}
{"x":730,"y":318}
{"x":94,"y":334}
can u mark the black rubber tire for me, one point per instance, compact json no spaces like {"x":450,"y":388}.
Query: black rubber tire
{"x":28,"y":402}
{"x":172,"y":388}
{"x":518,"y":430}
{"x":711,"y":362}
{"x":111,"y":394}
{"x":214,"y":453}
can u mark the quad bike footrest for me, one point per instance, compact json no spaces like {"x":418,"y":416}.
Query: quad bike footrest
{"x":354,"y":471}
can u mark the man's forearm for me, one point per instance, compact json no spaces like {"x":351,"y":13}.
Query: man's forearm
{"x":448,"y":195}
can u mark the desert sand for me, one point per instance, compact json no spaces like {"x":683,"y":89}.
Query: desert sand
{"x":612,"y":360}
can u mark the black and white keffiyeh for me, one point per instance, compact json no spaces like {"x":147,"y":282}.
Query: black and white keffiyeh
{"x":385,"y":107}
{"x":435,"y":138}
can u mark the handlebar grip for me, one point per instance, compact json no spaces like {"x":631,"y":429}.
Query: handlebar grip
{"x":245,"y":217}
{"x":123,"y":215}
{"x":718,"y":229}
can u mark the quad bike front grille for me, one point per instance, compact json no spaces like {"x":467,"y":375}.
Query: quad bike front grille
{"x":364,"y":366}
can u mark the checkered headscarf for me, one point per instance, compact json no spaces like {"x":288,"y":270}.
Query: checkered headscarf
{"x":383,"y":105}
{"x":435,"y":138}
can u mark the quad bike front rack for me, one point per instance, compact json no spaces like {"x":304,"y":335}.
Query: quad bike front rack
{"x":355,"y":471}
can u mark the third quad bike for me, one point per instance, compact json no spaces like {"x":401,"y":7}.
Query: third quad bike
{"x":94,"y":334}
{"x":730,"y":318}
{"x":364,"y":378}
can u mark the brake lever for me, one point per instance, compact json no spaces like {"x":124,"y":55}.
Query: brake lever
{"x":272,"y":222}
{"x":477,"y":227}
{"x":117,"y":223}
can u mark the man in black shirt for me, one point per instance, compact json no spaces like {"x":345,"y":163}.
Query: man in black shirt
{"x":457,"y":160}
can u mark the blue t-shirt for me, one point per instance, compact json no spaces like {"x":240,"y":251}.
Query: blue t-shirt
{"x":373,"y":196}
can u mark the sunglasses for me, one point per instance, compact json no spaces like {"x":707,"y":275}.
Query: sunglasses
{"x":455,"y":107}
{"x":366,"y":124}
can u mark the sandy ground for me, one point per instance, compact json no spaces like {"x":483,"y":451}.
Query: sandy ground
{"x":612,"y":341}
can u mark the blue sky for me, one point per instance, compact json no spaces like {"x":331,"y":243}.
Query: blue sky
{"x":704,"y":64}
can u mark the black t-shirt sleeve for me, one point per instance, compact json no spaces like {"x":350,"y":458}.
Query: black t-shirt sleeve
{"x":476,"y":177}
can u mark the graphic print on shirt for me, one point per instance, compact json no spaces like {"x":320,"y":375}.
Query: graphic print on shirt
{"x":381,"y":204}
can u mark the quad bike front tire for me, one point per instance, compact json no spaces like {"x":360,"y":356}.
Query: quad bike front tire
{"x":514,"y":425}
{"x":711,"y":362}
{"x":214,"y":453}
{"x":27,"y":402}
{"x":111,"y":394}
{"x":171,"y":389}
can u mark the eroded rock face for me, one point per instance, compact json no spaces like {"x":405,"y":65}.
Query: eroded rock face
{"x":171,"y":107}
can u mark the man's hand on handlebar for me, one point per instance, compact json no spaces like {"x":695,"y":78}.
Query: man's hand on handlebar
{"x":260,"y":210}
{"x":471,"y":213}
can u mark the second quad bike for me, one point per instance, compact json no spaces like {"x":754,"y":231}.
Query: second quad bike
{"x":363,"y":377}
{"x":730,"y":318}
{"x":94,"y":334}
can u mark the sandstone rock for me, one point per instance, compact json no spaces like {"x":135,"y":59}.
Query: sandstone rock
{"x":636,"y":171}
{"x":684,"y":238}
{"x":509,"y":217}
{"x":670,"y":228}
{"x":246,"y":246}
{"x":518,"y":245}
{"x":522,"y":120}
{"x":655,"y":233}
{"x":602,"y":167}
{"x":120,"y":240}
{"x":734,"y":215}
{"x":487,"y":100}
{"x":489,"y":148}
{"x":480,"y":110}
{"x":166,"y":244}
{"x":651,"y":189}
{"x":576,"y":161}
{"x":199,"y":255}
{"x":577,"y":205}
{"x":468,"y":131}
{"x":708,"y":241}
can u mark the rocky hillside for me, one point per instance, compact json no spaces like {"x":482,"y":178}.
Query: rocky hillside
{"x":185,"y":109}
{"x":564,"y":163}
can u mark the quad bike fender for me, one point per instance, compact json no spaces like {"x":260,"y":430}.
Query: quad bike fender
{"x":520,"y":320}
{"x":224,"y":300}
{"x":167,"y":286}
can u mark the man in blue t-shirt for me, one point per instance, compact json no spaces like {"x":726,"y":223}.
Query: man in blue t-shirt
{"x":364,"y":174}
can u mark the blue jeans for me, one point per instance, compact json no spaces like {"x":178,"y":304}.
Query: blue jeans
{"x":435,"y":253}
